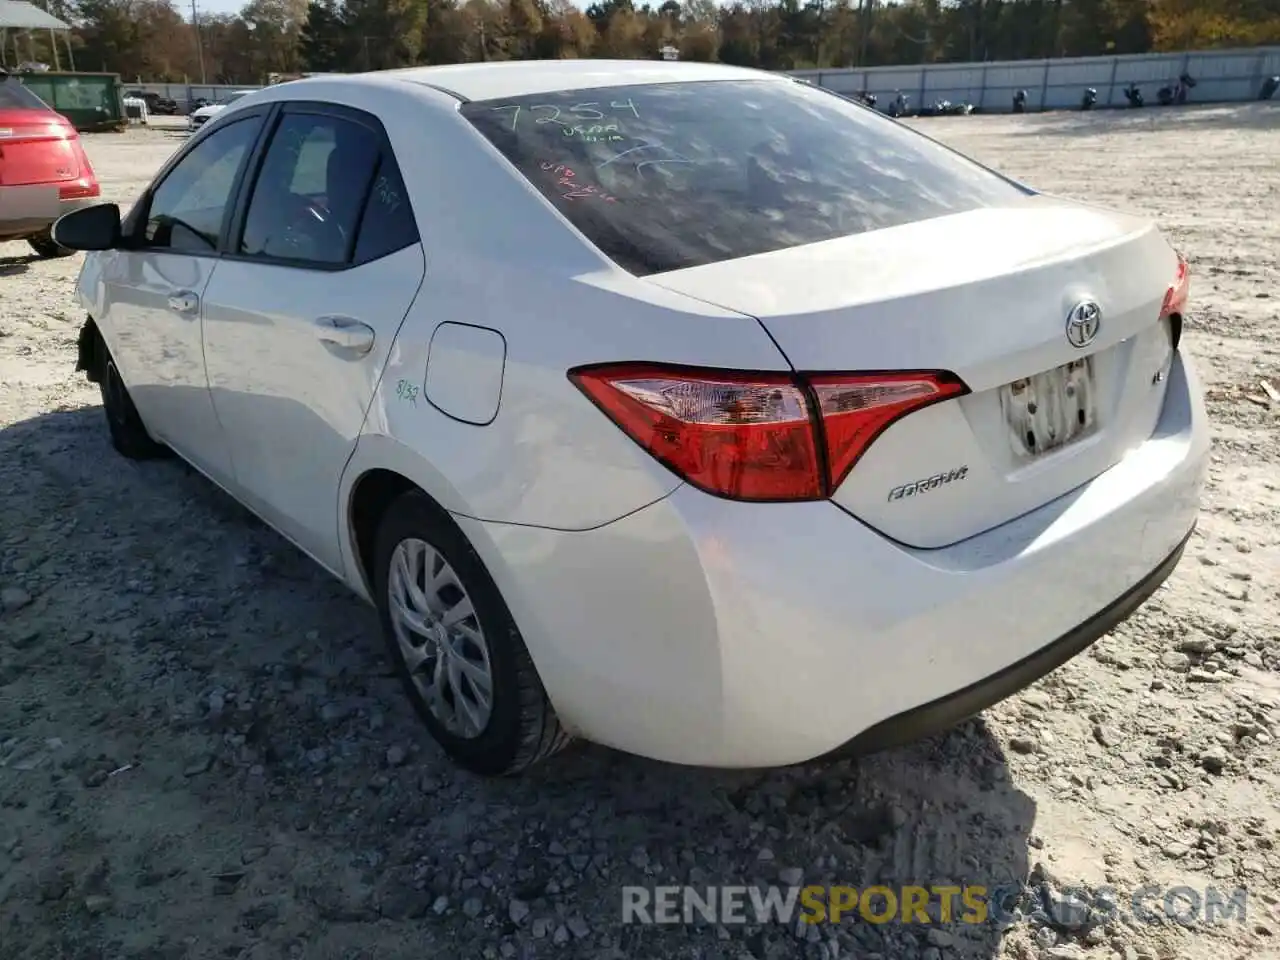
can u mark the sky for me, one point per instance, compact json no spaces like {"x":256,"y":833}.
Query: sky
{"x":210,"y":6}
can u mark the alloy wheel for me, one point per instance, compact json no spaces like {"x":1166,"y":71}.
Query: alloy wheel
{"x":440,"y":638}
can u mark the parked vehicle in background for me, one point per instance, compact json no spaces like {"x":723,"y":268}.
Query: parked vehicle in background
{"x":44,"y":172}
{"x":688,"y":409}
{"x":202,"y":115}
{"x":156,"y":104}
{"x":945,"y":108}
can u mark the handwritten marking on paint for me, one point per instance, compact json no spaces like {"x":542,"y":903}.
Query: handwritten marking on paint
{"x":407,"y":391}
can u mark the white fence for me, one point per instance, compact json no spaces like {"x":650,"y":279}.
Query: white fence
{"x":1220,"y":75}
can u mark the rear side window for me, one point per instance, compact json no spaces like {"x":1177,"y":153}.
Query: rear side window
{"x":673,"y":175}
{"x":388,"y":224}
{"x":328,"y":194}
{"x":13,"y":95}
{"x":306,"y":203}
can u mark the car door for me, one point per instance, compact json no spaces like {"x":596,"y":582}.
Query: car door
{"x":153,"y":290}
{"x":321,"y":267}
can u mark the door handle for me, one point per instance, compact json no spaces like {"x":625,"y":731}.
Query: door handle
{"x":184,"y":301}
{"x":345,"y":333}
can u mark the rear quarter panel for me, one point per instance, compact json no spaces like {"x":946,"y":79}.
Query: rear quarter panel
{"x":498,"y":256}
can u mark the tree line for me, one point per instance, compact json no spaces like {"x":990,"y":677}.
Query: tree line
{"x":154,"y":39}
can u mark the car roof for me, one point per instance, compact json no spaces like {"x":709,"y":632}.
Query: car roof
{"x":514,"y":78}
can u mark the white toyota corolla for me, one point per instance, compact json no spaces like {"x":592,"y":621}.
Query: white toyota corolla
{"x":202,"y":115}
{"x":688,"y":409}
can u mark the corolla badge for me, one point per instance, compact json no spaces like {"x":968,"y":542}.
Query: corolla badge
{"x":1083,"y":323}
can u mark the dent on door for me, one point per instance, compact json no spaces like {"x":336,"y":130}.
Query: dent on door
{"x":157,"y":346}
{"x":465,"y":366}
{"x":293,"y":358}
{"x":137,"y":288}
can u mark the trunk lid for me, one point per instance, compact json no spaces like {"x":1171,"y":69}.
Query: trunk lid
{"x":985,"y":295}
{"x":36,"y":146}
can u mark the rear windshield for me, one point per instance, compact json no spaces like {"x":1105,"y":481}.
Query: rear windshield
{"x":673,"y":175}
{"x":14,"y":95}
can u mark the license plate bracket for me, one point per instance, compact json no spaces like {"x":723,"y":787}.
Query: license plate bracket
{"x":29,"y":202}
{"x":1050,"y":410}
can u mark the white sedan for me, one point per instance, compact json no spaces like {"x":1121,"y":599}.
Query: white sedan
{"x":202,"y":115}
{"x":687,"y":409}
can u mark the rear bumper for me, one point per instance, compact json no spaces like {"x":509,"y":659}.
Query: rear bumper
{"x":17,"y":229}
{"x":954,"y":708}
{"x":704,"y":631}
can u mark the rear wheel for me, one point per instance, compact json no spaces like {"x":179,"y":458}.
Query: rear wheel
{"x":456,"y":647}
{"x":128,"y":434}
{"x":44,"y":245}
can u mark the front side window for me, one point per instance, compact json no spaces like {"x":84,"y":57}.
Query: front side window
{"x":308,"y":197}
{"x":673,"y":175}
{"x":186,"y":210}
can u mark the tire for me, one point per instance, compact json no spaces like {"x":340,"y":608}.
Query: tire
{"x":128,"y":434}
{"x":521,"y":728}
{"x":47,"y":247}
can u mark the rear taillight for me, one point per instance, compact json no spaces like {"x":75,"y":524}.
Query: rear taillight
{"x":758,"y":436}
{"x":1175,"y":301}
{"x":1175,"y":298}
{"x":856,"y":408}
{"x":86,"y":184}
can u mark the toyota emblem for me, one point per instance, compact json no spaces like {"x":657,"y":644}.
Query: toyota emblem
{"x":1083,"y":323}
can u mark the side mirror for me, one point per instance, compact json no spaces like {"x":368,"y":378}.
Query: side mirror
{"x":89,"y":228}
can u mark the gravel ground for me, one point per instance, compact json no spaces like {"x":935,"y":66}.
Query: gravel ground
{"x":202,"y":752}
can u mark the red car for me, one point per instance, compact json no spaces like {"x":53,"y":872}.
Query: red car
{"x":44,"y":172}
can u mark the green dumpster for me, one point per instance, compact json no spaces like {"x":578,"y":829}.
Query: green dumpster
{"x":91,"y":101}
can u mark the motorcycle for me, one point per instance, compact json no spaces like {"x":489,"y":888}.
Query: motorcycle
{"x":899,"y":107}
{"x":1133,"y":95}
{"x":1175,"y":94}
{"x":1089,"y":100}
{"x":867,"y":98}
{"x":1020,"y":102}
{"x":945,"y":108}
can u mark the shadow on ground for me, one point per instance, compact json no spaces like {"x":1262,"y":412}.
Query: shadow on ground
{"x":13,"y":266}
{"x":198,"y":727}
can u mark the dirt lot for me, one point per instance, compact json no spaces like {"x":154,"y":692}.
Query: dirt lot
{"x":202,"y":754}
